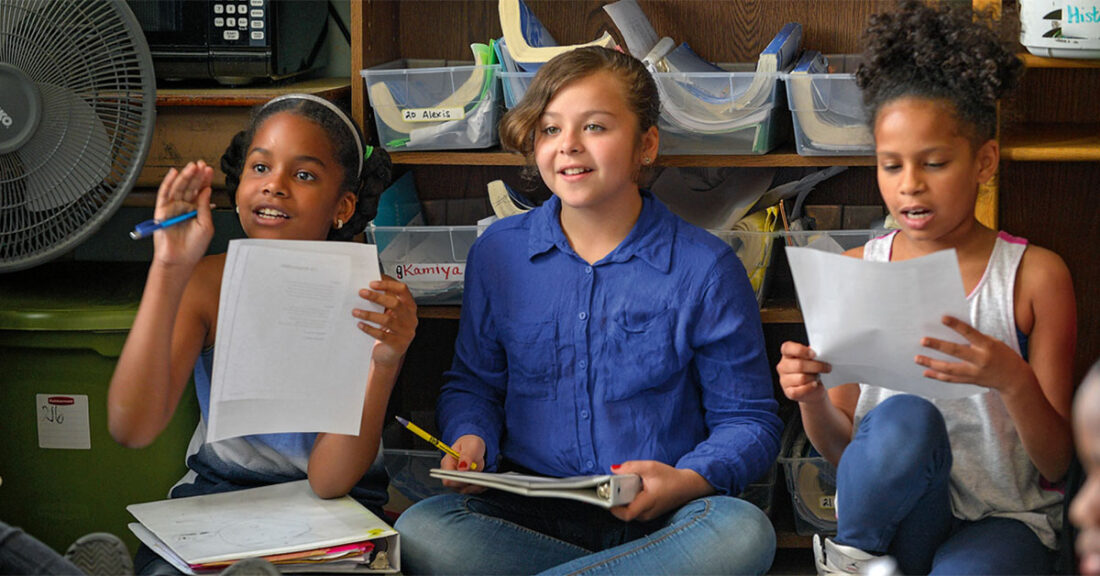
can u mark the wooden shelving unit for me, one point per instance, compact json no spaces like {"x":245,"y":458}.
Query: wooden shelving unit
{"x":784,"y":156}
{"x":1045,"y":189}
{"x":1062,"y":142}
{"x":195,"y":123}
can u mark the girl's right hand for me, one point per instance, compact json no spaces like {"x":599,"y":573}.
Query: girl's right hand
{"x":799,"y":373}
{"x":472,"y":449}
{"x":180,"y":192}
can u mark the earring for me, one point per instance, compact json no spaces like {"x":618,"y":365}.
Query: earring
{"x":646,"y":160}
{"x":238,"y":209}
{"x":339,"y":223}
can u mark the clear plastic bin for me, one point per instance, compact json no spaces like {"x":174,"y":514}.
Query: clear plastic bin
{"x":410,"y":473}
{"x":730,"y":112}
{"x":827,"y":107}
{"x":811,"y":482}
{"x":515,"y":86}
{"x":761,"y":493}
{"x":424,"y":105}
{"x":756,"y":249}
{"x":431,"y":260}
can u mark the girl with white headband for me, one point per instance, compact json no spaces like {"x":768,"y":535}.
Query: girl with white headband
{"x":299,"y":172}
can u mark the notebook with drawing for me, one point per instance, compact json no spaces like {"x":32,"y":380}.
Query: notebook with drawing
{"x":286,"y":523}
{"x":602,"y":490}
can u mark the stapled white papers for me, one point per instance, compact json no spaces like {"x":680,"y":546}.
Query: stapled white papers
{"x":289,"y":356}
{"x":867,"y":319}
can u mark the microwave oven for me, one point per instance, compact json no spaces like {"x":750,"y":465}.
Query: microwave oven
{"x":233,"y":41}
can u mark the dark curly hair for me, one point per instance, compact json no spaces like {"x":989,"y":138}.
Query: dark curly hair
{"x":941,"y":54}
{"x":368,"y":186}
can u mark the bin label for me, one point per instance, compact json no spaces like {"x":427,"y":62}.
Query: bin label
{"x":63,"y":421}
{"x":430,"y":272}
{"x":433,"y":114}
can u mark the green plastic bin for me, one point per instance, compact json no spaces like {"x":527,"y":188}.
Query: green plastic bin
{"x":62,"y":328}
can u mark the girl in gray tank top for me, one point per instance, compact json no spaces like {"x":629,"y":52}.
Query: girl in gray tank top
{"x":966,"y":485}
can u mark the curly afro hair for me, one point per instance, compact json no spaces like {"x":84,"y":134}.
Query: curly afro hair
{"x":368,"y":186}
{"x":940,"y":54}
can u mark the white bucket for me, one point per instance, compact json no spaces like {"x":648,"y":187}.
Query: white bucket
{"x":1061,"y":28}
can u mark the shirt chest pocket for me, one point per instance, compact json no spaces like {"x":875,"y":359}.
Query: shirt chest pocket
{"x":533,"y":361}
{"x":641,"y":353}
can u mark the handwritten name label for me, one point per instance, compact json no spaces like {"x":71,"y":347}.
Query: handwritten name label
{"x":433,"y":114}
{"x":63,"y":421}
{"x":430,"y":272}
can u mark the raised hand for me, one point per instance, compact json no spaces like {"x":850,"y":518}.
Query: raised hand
{"x":180,"y":192}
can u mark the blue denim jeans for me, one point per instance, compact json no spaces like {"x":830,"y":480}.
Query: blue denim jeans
{"x":501,"y":533}
{"x":21,"y":553}
{"x":893,"y":497}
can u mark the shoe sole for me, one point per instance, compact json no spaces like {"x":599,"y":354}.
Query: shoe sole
{"x":101,"y":554}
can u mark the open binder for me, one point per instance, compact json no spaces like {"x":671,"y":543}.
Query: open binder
{"x":285,"y":523}
{"x":605,"y":491}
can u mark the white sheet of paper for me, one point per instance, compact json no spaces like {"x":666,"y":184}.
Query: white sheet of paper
{"x":289,"y":356}
{"x":866,"y":319}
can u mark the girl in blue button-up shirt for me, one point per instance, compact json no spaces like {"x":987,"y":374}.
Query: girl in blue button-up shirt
{"x":602,"y":333}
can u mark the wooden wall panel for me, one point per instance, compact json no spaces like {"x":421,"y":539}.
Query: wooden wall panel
{"x":1054,"y":205}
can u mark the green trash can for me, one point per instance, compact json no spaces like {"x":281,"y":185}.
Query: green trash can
{"x":62,"y":328}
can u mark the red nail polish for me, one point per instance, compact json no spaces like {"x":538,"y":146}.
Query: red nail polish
{"x":616,"y":466}
{"x":462,"y":465}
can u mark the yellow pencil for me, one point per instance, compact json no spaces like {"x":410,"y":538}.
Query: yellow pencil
{"x":433,"y":440}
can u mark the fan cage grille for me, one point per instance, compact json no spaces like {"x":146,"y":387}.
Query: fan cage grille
{"x":88,"y":59}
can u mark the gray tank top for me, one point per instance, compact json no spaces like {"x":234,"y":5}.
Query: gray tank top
{"x":992,"y":474}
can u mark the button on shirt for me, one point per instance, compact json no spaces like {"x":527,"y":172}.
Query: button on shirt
{"x":655,"y":352}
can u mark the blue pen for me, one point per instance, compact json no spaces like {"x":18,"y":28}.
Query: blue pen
{"x":149,"y":226}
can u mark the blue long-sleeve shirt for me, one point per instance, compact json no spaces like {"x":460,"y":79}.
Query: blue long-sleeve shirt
{"x":656,"y":352}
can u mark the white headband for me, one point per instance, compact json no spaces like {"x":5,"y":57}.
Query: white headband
{"x":339,"y":113}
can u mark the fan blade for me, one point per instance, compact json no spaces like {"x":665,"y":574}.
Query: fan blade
{"x":70,"y":153}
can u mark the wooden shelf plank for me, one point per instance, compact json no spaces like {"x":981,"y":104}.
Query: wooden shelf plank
{"x":779,"y":312}
{"x":328,"y":88}
{"x":1062,"y":142}
{"x":1032,"y":61}
{"x":785,"y":539}
{"x":784,"y":156}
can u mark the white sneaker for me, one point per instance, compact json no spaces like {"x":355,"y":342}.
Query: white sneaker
{"x":831,"y":558}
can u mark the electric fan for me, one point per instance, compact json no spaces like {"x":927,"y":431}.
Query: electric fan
{"x":77,"y":107}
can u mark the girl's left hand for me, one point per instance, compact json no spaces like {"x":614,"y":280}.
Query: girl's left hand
{"x":985,"y":361}
{"x":394,"y":328}
{"x":664,"y":488}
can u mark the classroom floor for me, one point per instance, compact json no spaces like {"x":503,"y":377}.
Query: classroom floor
{"x":793,"y":562}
